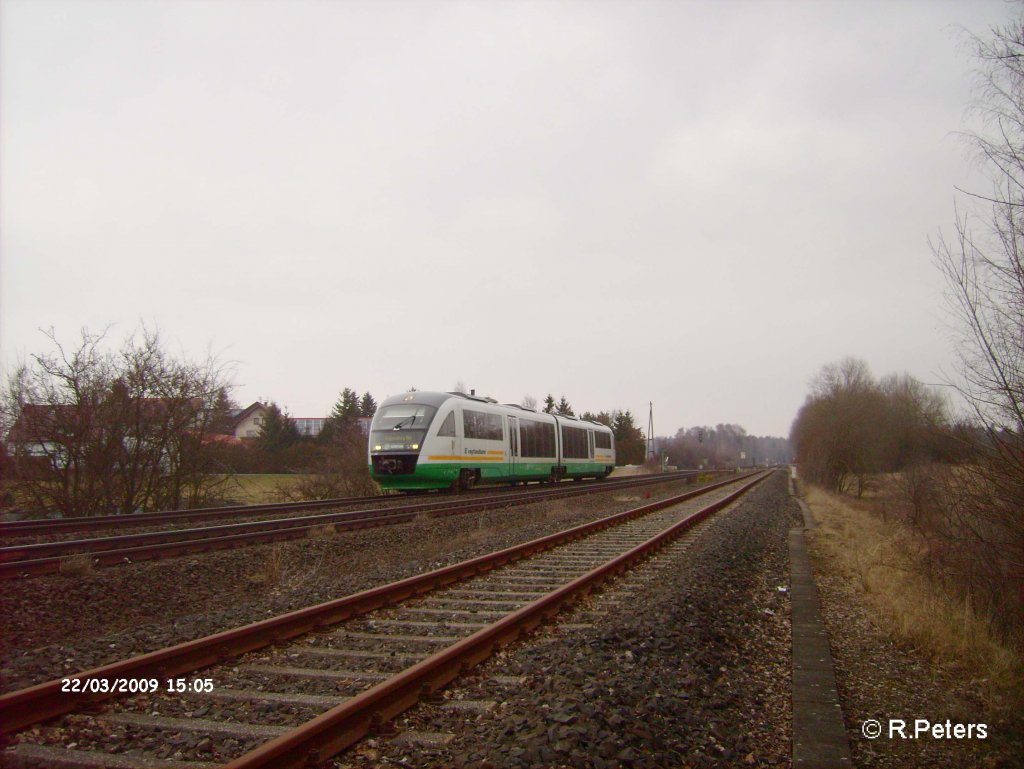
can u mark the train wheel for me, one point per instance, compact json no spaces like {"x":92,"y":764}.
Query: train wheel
{"x":467,"y":480}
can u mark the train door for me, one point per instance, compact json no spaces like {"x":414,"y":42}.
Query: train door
{"x":513,"y":445}
{"x":590,"y":445}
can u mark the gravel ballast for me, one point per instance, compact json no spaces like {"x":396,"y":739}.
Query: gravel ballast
{"x":686,"y":662}
{"x":57,"y":625}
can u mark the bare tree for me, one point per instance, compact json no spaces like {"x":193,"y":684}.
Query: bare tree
{"x":852,"y":427}
{"x":94,"y":431}
{"x":983,"y":264}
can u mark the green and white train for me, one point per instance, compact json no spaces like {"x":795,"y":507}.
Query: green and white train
{"x":430,"y":440}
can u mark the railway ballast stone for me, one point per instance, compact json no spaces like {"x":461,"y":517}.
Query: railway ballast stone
{"x":692,"y":670}
{"x":57,"y":626}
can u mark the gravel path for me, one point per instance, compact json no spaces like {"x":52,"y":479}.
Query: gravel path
{"x":684,"y":663}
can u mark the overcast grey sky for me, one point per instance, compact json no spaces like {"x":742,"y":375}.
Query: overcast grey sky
{"x":692,"y":203}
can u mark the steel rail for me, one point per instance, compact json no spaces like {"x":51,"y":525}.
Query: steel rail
{"x":47,"y":557}
{"x":342,"y":726}
{"x":127,"y":520}
{"x":89,"y":523}
{"x":67,"y":546}
{"x":14,"y":553}
{"x":37,"y":703}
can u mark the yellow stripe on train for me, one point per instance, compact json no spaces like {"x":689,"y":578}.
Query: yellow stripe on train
{"x":477,"y":458}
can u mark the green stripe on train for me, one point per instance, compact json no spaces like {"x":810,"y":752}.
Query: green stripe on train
{"x":432,"y":475}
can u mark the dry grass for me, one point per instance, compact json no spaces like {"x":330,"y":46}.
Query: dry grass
{"x":435,"y":545}
{"x":626,"y":470}
{"x":76,"y":566}
{"x":324,"y":531}
{"x":885,"y":561}
{"x":270,"y":574}
{"x":254,"y":489}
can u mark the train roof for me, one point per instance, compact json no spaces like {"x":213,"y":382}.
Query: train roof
{"x":430,"y":398}
{"x":436,"y":399}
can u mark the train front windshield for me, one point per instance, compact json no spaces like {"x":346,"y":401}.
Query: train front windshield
{"x":400,"y":427}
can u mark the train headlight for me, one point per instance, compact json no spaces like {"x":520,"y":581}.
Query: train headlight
{"x":415,"y":446}
{"x":377,"y":447}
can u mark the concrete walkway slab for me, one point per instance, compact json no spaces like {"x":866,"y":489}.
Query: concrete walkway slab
{"x":819,"y":734}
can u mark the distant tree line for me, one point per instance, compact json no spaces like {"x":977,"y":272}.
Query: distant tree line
{"x":852,"y":427}
{"x":710,"y":447}
{"x":721,"y":446}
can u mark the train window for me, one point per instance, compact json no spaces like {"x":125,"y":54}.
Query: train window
{"x":574,"y":443}
{"x":527,"y":438}
{"x":481,"y":425}
{"x":602,"y":440}
{"x":447,"y":428}
{"x":403,"y":416}
{"x":537,"y":439}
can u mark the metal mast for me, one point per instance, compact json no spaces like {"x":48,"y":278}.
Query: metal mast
{"x":650,"y":431}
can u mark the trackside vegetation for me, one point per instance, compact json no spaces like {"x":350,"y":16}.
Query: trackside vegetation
{"x":955,"y":488}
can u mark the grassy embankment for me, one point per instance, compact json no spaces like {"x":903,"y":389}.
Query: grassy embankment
{"x":885,"y":560}
{"x":258,"y":488}
{"x":237,"y":489}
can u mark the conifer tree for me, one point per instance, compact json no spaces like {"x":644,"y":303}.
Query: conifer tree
{"x":367,"y":405}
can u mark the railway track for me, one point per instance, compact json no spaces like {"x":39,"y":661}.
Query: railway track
{"x":296,"y":689}
{"x":23,"y":560}
{"x":52,"y":526}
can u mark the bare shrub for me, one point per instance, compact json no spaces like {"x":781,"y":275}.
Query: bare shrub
{"x":325,"y":483}
{"x":919,"y":488}
{"x":981,"y":529}
{"x":272,"y":568}
{"x":95,"y":431}
{"x":324,"y":531}
{"x":957,"y":529}
{"x":340,"y":470}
